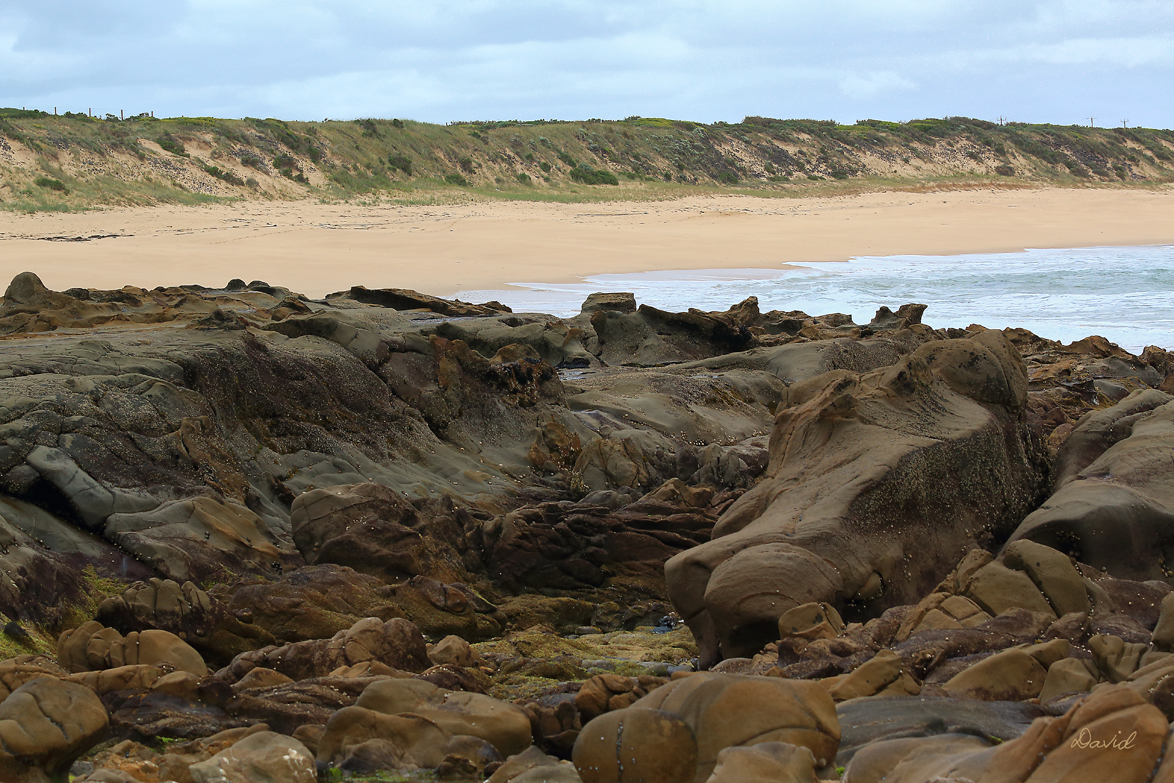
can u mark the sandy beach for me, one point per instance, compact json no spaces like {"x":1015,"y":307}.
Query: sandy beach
{"x":315,"y":248}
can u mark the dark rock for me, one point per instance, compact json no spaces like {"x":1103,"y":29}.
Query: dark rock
{"x":404,"y":299}
{"x":395,"y":643}
{"x":864,"y":721}
{"x":376,"y":531}
{"x":1113,"y":504}
{"x":617,"y":302}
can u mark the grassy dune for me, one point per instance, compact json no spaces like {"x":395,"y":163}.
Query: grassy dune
{"x":75,"y":162}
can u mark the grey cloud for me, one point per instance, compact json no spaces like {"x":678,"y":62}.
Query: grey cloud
{"x":1045,"y":60}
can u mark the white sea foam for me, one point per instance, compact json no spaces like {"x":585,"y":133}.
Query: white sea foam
{"x":1125,"y":294}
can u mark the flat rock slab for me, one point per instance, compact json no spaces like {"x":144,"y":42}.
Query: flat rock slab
{"x":867,"y":720}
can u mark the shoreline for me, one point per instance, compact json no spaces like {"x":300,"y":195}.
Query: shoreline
{"x":316,"y":249}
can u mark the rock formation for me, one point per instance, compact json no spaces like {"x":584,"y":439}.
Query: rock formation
{"x":246,"y":531}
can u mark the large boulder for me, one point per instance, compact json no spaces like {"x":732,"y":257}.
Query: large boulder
{"x":263,"y":757}
{"x":45,"y":725}
{"x":500,"y":723}
{"x":534,"y":766}
{"x":767,"y":762}
{"x":631,"y":745}
{"x":715,"y":711}
{"x":930,"y":456}
{"x":402,"y":740}
{"x":1113,"y":501}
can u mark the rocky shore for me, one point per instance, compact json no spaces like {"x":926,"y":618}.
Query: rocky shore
{"x":250,"y":536}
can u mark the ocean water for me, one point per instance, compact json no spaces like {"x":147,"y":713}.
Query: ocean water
{"x":1125,"y":294}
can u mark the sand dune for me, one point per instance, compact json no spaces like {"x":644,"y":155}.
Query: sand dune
{"x":315,"y":248}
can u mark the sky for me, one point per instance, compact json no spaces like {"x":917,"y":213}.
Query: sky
{"x":1058,"y":61}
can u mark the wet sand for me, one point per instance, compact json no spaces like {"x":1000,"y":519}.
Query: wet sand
{"x":314,"y":248}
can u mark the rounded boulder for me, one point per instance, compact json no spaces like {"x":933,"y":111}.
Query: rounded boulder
{"x":636,"y":746}
{"x":46,"y":724}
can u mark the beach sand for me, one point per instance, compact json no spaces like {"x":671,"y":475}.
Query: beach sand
{"x":315,"y":248}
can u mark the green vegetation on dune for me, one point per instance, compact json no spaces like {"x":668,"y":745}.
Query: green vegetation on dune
{"x":74,"y":161}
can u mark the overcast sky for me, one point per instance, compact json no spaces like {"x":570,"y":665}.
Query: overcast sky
{"x":1060,"y":61}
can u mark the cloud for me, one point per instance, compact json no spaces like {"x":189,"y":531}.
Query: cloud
{"x":1111,"y":52}
{"x":572,"y":59}
{"x":873,"y":85}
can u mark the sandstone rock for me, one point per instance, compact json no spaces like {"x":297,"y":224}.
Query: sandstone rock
{"x":555,"y":723}
{"x":188,"y":612}
{"x":264,"y":757}
{"x":171,"y":537}
{"x":133,"y":677}
{"x":396,"y":643}
{"x":406,"y":299}
{"x":866,"y":723}
{"x":1065,"y":677}
{"x":771,"y":548}
{"x":619,"y":302}
{"x":1052,"y":572}
{"x":1012,"y":675}
{"x":45,"y":725}
{"x":161,"y":604}
{"x":454,"y":650}
{"x":15,"y":672}
{"x":726,"y":710}
{"x":941,"y":611}
{"x":605,"y":692}
{"x":372,"y":529}
{"x":142,"y":763}
{"x":93,"y":647}
{"x":997,"y":588}
{"x":107,"y":776}
{"x":416,"y":739}
{"x":811,"y":621}
{"x":884,"y":673}
{"x":27,"y":290}
{"x":372,"y":755}
{"x":314,"y":602}
{"x":651,"y":336}
{"x":502,"y":724}
{"x":475,"y":753}
{"x":286,"y":707}
{"x":1048,"y":653}
{"x":181,"y":685}
{"x":1115,"y":658}
{"x":1112,"y":734}
{"x":636,"y":744}
{"x":1117,"y":525}
{"x":367,"y":669}
{"x":765,"y":762}
{"x":534,"y":766}
{"x":260,"y":677}
{"x":1154,"y":681}
{"x":1163,"y":635}
{"x":565,"y":546}
{"x":1072,"y":626}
